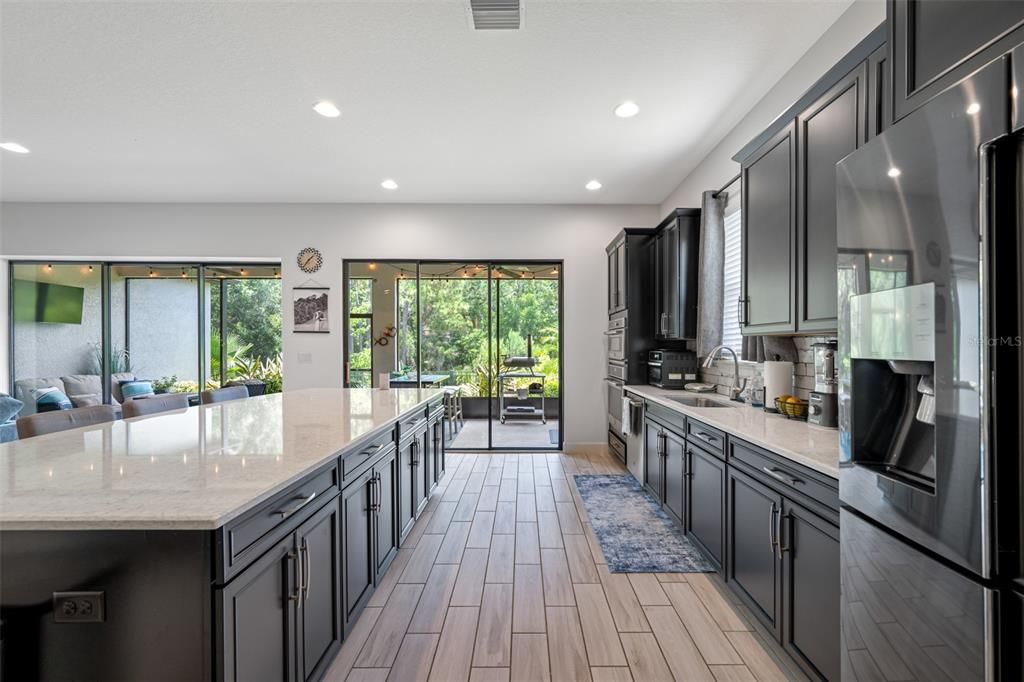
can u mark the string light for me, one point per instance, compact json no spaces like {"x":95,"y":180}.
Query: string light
{"x":152,"y":273}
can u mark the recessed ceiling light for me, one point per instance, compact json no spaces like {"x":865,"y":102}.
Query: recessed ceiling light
{"x":327,"y":109}
{"x":973,"y":108}
{"x":593,"y":185}
{"x":627,"y":109}
{"x":389,"y":184}
{"x":894,"y":172}
{"x":13,"y":147}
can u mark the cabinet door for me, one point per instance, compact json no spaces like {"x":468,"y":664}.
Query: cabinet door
{"x":935,"y":44}
{"x":620,"y":277}
{"x":769,"y":235}
{"x":613,"y":280}
{"x":406,"y":487}
{"x":705,"y":497}
{"x":320,"y":604}
{"x":257,"y":610}
{"x":357,"y":528}
{"x":831,"y":128}
{"x":675,"y":475}
{"x":421,"y":472}
{"x":879,"y":97}
{"x":668,"y":282}
{"x":437,"y":465}
{"x":653,"y":459}
{"x":385,"y":518}
{"x":810,"y":587}
{"x":752,"y":565}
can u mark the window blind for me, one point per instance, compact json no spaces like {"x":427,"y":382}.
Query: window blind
{"x":731,"y":336}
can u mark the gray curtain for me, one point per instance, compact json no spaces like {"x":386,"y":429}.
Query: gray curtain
{"x":761,"y":348}
{"x":711,"y":272}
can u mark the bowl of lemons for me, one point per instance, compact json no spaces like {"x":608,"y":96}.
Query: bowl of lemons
{"x":791,"y":406}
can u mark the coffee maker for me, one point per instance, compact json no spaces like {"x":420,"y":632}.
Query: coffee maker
{"x":823,"y":409}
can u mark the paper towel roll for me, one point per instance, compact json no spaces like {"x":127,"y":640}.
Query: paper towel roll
{"x":778,"y":380}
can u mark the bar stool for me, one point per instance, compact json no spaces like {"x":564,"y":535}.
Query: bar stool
{"x":453,"y":409}
{"x":220,"y":395}
{"x":141,"y":407}
{"x":62,"y":420}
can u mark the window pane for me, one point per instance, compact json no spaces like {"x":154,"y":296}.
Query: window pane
{"x":252,"y":319}
{"x":453,"y":303}
{"x":360,"y":344}
{"x":57,"y":330}
{"x":406,"y":321}
{"x":360,"y":293}
{"x":154,"y":312}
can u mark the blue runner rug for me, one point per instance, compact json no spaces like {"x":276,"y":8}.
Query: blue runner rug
{"x":636,"y":535}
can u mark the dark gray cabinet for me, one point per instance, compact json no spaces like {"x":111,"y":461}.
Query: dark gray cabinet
{"x":257,"y":614}
{"x":879,"y":96}
{"x":359,"y":568}
{"x":705,"y":501}
{"x":766,"y":302}
{"x":384,"y":494}
{"x":674,"y":473}
{"x":676,"y":263}
{"x":319,"y":606}
{"x":281,"y":616}
{"x":830,"y":129}
{"x":935,"y":44}
{"x":653,"y":454}
{"x":751,"y":563}
{"x":617,"y":274}
{"x":809,"y":548}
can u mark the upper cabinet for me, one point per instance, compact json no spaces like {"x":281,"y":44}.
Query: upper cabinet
{"x":831,"y":128}
{"x":769,"y":235}
{"x":617,"y":271}
{"x":935,"y":44}
{"x":676,"y":263}
{"x":789,"y":195}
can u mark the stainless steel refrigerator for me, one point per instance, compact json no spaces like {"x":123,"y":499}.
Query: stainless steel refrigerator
{"x":929,"y":215}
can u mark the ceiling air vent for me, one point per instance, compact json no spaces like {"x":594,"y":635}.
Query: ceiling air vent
{"x":496,"y":14}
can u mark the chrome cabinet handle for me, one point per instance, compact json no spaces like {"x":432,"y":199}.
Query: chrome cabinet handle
{"x":297,"y":565}
{"x":705,"y":437}
{"x":370,"y":452}
{"x":777,"y":475}
{"x":307,"y":570}
{"x":778,"y":533}
{"x":378,"y":494}
{"x":302,"y":502}
{"x":771,"y":529}
{"x":373,"y":494}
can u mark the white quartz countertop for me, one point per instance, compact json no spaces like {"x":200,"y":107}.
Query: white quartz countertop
{"x":189,"y":469}
{"x":815,"y":447}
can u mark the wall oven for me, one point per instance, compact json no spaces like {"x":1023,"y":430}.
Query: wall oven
{"x":616,"y":339}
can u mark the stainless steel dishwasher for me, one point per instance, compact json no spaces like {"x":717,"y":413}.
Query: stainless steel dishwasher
{"x":635,"y":437}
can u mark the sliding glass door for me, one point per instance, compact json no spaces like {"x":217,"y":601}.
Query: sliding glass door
{"x":90,"y":333}
{"x":487,"y":331}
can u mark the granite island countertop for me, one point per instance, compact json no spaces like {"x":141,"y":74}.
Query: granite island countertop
{"x":189,"y":469}
{"x":815,"y":447}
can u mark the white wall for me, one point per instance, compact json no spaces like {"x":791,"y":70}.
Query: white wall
{"x":718,"y":167}
{"x":575,"y":234}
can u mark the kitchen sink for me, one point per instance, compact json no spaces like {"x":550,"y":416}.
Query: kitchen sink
{"x":698,"y":402}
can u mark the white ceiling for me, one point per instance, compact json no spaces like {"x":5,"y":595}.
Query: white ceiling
{"x":212,"y":101}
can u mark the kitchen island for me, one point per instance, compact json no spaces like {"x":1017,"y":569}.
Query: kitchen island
{"x":228,"y":541}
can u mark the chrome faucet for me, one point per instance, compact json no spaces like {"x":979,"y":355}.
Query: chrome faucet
{"x":738,"y":387}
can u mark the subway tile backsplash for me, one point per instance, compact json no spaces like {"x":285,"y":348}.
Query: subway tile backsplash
{"x":721,"y":373}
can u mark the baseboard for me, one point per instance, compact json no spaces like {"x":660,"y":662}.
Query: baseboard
{"x":584,"y":447}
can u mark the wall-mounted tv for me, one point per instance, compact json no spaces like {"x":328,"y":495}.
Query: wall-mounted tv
{"x":44,"y":302}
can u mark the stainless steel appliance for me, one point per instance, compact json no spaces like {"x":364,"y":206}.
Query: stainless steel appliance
{"x":823,"y":408}
{"x":616,"y":338}
{"x":671,"y":368}
{"x":929,"y":214}
{"x":635,"y":437}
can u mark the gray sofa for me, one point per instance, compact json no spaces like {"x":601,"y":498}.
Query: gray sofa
{"x":82,"y":389}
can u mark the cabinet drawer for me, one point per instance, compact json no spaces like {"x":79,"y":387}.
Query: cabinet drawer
{"x":793,"y":480}
{"x":353,"y":462}
{"x":411,"y":423}
{"x":668,"y":418}
{"x":709,"y":438}
{"x":246,"y":538}
{"x":435,"y":407}
{"x":617,"y":447}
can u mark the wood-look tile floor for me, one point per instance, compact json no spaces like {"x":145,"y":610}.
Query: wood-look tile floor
{"x":502,"y":578}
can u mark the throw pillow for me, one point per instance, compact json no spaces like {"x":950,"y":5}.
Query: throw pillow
{"x":135,"y":389}
{"x":49,"y":398}
{"x":87,"y":399}
{"x":9,"y":407}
